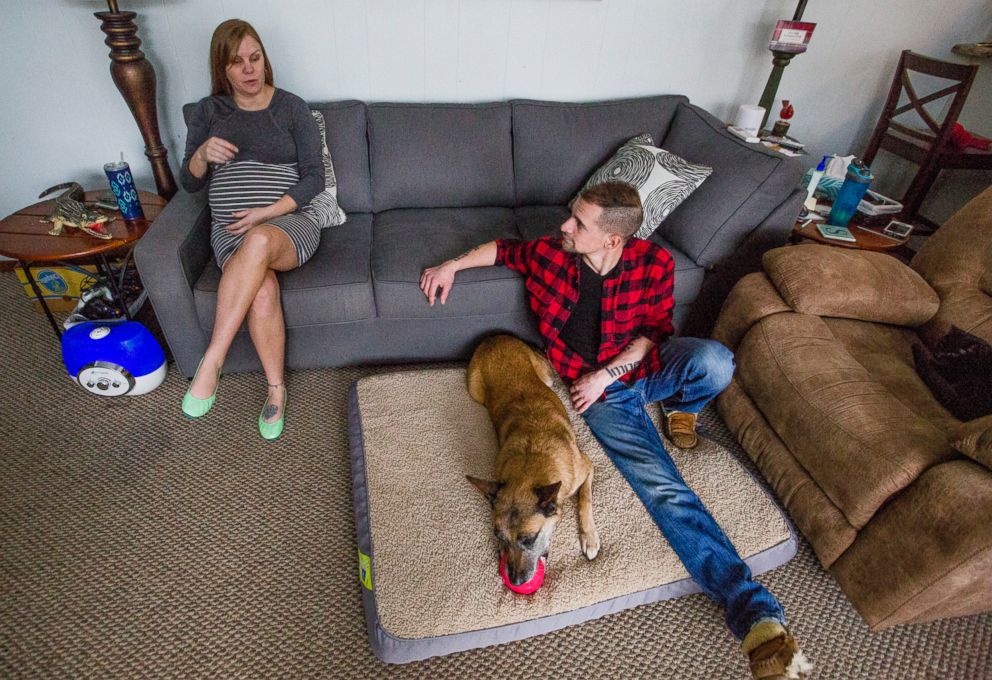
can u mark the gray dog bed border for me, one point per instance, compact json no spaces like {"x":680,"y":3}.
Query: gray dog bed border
{"x":396,"y":650}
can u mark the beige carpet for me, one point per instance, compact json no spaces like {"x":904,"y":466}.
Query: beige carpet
{"x":423,"y":434}
{"x":136,"y":544}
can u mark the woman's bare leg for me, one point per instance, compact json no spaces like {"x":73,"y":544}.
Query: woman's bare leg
{"x":264,"y":248}
{"x":268,"y":332}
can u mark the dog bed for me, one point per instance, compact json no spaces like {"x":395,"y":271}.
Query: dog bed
{"x":427,"y":557}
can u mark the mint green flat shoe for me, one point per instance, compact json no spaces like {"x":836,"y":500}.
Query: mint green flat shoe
{"x":197,"y":408}
{"x":272,"y":431}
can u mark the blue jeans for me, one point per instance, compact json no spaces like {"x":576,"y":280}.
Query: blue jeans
{"x":693,"y":372}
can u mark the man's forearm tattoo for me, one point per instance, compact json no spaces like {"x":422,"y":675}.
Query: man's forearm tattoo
{"x":465,"y":254}
{"x":617,"y":371}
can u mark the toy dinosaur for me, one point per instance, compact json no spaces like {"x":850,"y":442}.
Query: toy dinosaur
{"x":69,"y":210}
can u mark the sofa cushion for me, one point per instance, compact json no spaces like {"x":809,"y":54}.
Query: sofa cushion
{"x":440,"y":155}
{"x":333,"y":286}
{"x":557,"y":145}
{"x":537,"y":221}
{"x":853,"y":284}
{"x":974,"y":439}
{"x":346,"y":140}
{"x":662,"y":179}
{"x":405,"y":242}
{"x":747,"y":183}
{"x":860,"y":442}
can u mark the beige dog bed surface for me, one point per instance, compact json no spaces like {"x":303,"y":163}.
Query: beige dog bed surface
{"x":428,"y":559}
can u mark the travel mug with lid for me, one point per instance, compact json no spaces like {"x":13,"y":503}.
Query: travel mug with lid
{"x":855,"y":185}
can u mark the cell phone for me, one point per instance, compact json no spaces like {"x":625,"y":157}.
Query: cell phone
{"x":898,"y":229}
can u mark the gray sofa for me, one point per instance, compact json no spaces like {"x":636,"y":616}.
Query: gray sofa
{"x":424,"y":182}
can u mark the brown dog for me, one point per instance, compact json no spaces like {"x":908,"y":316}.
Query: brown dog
{"x":539,"y":464}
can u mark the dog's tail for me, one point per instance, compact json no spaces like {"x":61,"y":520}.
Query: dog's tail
{"x":476,"y":383}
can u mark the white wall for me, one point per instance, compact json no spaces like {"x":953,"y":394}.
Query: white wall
{"x":62,"y":118}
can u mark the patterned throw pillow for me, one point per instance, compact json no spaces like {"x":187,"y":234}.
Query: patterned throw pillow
{"x":662,"y":179}
{"x":328,"y":203}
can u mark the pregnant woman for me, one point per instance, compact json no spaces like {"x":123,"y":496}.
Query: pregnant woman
{"x":258,"y":150}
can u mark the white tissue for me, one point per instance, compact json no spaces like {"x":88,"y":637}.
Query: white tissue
{"x":837,"y":166}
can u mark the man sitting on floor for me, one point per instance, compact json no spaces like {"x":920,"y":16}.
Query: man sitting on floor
{"x":604,"y":305}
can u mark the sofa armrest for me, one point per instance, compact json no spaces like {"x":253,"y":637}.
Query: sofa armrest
{"x":851,"y":284}
{"x":170,"y":259}
{"x":752,"y":299}
{"x":745,"y":258}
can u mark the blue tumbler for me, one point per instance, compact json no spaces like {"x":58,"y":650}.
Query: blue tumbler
{"x":855,"y":185}
{"x":122,"y":183}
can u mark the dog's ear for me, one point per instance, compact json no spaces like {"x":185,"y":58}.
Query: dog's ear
{"x":547,"y":498}
{"x":487,"y":489}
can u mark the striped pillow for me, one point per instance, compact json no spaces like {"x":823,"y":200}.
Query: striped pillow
{"x":334,"y":211}
{"x":662,"y":179}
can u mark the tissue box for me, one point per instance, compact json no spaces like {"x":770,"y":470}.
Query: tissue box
{"x":826,"y":188}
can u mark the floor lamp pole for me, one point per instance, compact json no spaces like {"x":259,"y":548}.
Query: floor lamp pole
{"x":779,"y":61}
{"x":135,"y":79}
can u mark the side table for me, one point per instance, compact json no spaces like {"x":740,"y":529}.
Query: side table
{"x":865,"y":238}
{"x":24,"y":237}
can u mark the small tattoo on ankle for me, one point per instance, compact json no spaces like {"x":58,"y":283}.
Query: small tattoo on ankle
{"x":270,"y":412}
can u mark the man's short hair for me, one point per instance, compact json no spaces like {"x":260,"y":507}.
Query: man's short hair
{"x":621,"y":204}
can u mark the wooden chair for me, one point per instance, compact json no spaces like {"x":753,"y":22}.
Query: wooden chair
{"x":928,"y":147}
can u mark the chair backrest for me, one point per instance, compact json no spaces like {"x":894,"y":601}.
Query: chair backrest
{"x":938,"y":128}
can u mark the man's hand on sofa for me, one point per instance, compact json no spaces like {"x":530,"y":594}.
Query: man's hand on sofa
{"x":440,"y":277}
{"x":443,"y":276}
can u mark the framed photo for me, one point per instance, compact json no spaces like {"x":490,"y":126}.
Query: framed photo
{"x":791,"y":36}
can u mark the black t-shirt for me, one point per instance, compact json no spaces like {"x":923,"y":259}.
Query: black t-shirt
{"x":582,"y":330}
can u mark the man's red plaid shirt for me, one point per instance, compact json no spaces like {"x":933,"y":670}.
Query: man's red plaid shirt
{"x":637,"y":300}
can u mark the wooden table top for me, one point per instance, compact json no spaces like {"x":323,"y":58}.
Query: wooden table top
{"x":24,"y":236}
{"x":866,"y":238}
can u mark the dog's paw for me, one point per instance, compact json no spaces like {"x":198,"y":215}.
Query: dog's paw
{"x":590,"y":545}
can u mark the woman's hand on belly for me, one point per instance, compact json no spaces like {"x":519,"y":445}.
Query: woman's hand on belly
{"x":249,"y":218}
{"x":252,"y":217}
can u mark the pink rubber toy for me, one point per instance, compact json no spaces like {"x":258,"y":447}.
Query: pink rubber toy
{"x":527,"y":587}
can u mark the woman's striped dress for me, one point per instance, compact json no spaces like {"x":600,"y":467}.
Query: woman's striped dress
{"x":240,"y":185}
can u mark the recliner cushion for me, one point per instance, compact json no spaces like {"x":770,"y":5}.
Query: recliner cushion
{"x":334,"y":286}
{"x":860,"y":442}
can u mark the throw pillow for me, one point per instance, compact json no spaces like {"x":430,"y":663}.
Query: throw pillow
{"x":974,"y":439}
{"x":333,"y":214}
{"x":662,"y":179}
{"x":958,"y":371}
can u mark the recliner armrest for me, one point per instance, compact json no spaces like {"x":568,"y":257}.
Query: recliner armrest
{"x":851,"y":284}
{"x":752,"y":299}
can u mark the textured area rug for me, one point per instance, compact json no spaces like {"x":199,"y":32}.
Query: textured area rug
{"x":134,"y":543}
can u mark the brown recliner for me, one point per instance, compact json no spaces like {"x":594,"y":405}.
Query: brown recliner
{"x":828,"y":404}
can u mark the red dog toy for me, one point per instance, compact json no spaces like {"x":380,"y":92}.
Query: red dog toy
{"x":527,"y":587}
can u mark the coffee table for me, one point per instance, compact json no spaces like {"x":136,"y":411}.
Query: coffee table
{"x":24,"y":237}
